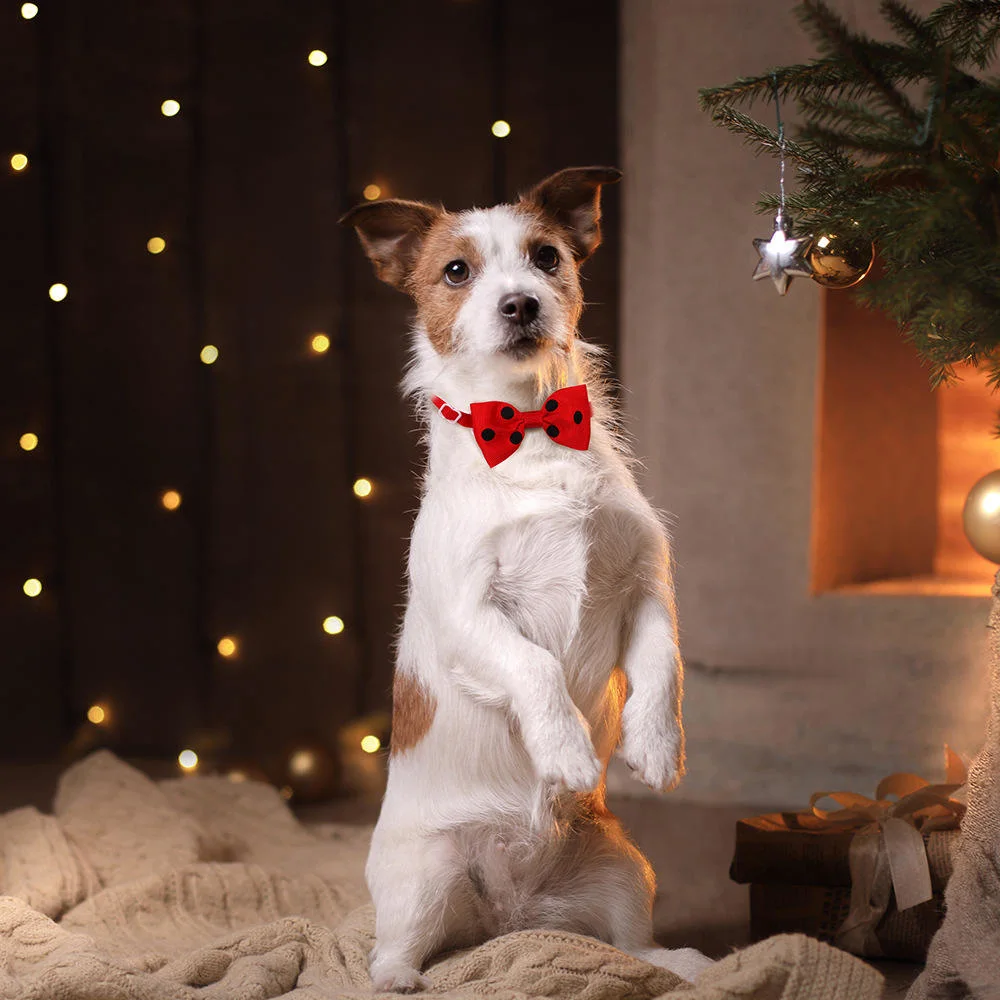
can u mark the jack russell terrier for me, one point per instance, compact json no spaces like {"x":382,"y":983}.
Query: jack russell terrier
{"x":540,"y":633}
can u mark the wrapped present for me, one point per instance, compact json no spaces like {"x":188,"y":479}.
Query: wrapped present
{"x":869,"y":876}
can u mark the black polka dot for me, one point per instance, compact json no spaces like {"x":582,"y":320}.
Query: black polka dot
{"x":552,"y":431}
{"x":507,"y":412}
{"x":551,"y":405}
{"x":516,"y":438}
{"x":578,"y":417}
{"x":488,"y":434}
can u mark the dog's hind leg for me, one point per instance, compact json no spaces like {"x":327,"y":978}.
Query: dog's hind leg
{"x":416,"y":882}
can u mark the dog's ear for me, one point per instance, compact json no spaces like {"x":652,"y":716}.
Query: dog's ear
{"x":392,"y":232}
{"x":572,"y":197}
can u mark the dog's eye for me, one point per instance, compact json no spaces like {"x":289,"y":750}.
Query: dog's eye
{"x":456,"y":272}
{"x":547,"y":258}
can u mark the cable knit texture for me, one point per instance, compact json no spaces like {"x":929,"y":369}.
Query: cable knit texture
{"x":201,"y":888}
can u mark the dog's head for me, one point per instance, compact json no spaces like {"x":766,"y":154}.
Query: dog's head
{"x":500,"y":282}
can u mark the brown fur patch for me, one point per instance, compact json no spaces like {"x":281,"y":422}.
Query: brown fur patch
{"x":438,"y":302}
{"x":565,"y":279}
{"x":413,"y":709}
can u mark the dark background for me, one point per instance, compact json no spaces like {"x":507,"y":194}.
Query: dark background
{"x":245,"y":185}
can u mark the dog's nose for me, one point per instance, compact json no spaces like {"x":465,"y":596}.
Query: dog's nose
{"x":518,"y":307}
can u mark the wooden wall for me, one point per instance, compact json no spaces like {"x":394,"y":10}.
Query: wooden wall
{"x":245,"y":184}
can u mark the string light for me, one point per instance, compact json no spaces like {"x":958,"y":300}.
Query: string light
{"x":32,"y":587}
{"x":29,"y":10}
{"x":18,"y":161}
{"x":500,"y":128}
{"x":170,"y":499}
{"x":363,"y":488}
{"x":371,"y":192}
{"x":58,"y":291}
{"x":156,"y":244}
{"x":227,"y":646}
{"x":29,"y":441}
{"x":302,"y":762}
{"x":320,"y":343}
{"x":170,"y":107}
{"x":188,"y":760}
{"x":209,"y":354}
{"x":97,"y":714}
{"x":317,"y":57}
{"x":370,"y":743}
{"x":333,"y":625}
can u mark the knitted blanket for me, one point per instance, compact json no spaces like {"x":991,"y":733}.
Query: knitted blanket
{"x":201,"y":888}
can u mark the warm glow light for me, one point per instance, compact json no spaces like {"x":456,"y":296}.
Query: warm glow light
{"x":170,"y":107}
{"x":187,"y":759}
{"x":171,"y":499}
{"x":371,"y":192}
{"x":29,"y":10}
{"x":226,"y":646}
{"x":333,"y":625}
{"x":317,"y":57}
{"x":29,"y":441}
{"x":302,"y":762}
{"x":500,"y":129}
{"x":96,"y":714}
{"x":320,"y":343}
{"x":32,"y":587}
{"x":156,"y":244}
{"x":18,"y":161}
{"x":209,"y":354}
{"x":370,"y":743}
{"x":363,"y":488}
{"x":58,"y":291}
{"x":990,"y":503}
{"x":823,"y":241}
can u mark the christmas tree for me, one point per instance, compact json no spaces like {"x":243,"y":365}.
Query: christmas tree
{"x":899,"y":144}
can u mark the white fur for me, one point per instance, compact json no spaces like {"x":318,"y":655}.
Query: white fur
{"x":528,"y":583}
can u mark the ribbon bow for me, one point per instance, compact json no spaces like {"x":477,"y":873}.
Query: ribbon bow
{"x":499,"y":427}
{"x":899,"y":823}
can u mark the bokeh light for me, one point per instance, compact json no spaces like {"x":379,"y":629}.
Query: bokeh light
{"x":58,"y":291}
{"x":333,"y":625}
{"x":29,"y":441}
{"x":370,"y":743}
{"x":29,"y":10}
{"x":209,"y":354}
{"x":372,"y":192}
{"x":187,"y":759}
{"x":170,"y":499}
{"x":320,"y":343}
{"x":363,"y":488}
{"x":32,"y":586}
{"x":18,"y":161}
{"x":500,"y":128}
{"x":317,"y":57}
{"x":170,"y":107}
{"x":226,"y":646}
{"x":97,"y":714}
{"x":156,"y":244}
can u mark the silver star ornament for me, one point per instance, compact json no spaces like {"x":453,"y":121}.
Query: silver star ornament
{"x":783,"y":257}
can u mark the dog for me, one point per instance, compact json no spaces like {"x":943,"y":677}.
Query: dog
{"x":539,"y":633}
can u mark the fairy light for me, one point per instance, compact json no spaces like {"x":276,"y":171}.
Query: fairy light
{"x":19,"y":161}
{"x":170,"y":499}
{"x":29,"y":10}
{"x":58,"y":291}
{"x":333,"y":625}
{"x":32,"y":586}
{"x":97,"y":714}
{"x":170,"y":107}
{"x":302,"y":763}
{"x":209,"y":354}
{"x":188,"y":760}
{"x":156,"y":244}
{"x":370,"y":743}
{"x":500,"y":128}
{"x":372,"y":192}
{"x":28,"y":442}
{"x":320,"y":343}
{"x":363,"y":488}
{"x":227,"y":646}
{"x":317,"y":57}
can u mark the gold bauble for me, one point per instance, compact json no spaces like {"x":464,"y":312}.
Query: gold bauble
{"x":840,"y":261}
{"x":981,"y":516}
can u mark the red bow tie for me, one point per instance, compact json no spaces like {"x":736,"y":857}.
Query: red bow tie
{"x":499,"y":427}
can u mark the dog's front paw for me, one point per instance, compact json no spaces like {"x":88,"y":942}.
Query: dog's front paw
{"x":654,"y":752}
{"x":564,"y":756}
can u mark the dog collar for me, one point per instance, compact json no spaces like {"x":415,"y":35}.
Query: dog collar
{"x":499,"y":427}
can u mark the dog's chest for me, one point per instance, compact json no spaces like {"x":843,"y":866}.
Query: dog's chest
{"x":564,"y":556}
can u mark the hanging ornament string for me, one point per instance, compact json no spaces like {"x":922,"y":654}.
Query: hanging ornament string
{"x":782,"y":257}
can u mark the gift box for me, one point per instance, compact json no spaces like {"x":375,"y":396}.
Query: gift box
{"x":868,"y":876}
